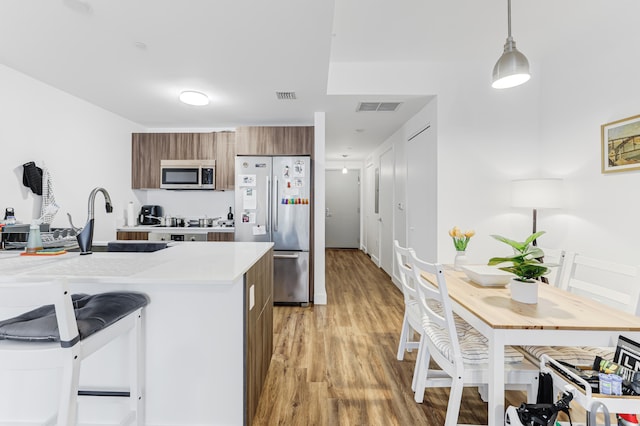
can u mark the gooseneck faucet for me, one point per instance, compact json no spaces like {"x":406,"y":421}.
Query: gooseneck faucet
{"x":85,"y":237}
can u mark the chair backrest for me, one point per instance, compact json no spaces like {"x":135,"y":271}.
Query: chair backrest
{"x":403,"y":259}
{"x":555,"y":257}
{"x":614,"y":284}
{"x":435,"y":304}
{"x":32,"y":294}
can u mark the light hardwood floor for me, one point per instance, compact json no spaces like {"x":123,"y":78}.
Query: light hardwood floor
{"x":336,"y":364}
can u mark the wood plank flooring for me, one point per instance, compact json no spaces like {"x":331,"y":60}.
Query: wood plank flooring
{"x":336,"y":364}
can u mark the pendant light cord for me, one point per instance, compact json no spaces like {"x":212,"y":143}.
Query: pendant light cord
{"x":509,"y":16}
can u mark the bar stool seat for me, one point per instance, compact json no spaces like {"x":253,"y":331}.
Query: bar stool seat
{"x":67,"y":329}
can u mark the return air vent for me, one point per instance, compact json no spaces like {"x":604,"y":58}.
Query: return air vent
{"x":378,"y":106}
{"x":286,"y":95}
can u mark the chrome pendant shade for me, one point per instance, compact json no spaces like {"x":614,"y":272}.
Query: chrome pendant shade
{"x":512,"y":69}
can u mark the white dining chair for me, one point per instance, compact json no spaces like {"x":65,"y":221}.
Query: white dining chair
{"x":460,"y":351}
{"x":614,"y":284}
{"x":65,"y":330}
{"x":412,"y":320}
{"x":554,"y":257}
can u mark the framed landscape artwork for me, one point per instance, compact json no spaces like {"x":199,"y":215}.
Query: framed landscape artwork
{"x":621,"y":145}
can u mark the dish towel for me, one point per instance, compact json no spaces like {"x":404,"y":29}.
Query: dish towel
{"x":49,"y":205}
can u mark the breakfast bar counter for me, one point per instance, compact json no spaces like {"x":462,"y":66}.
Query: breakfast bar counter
{"x":207,"y":301}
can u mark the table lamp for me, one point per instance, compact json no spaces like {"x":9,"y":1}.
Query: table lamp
{"x":536,"y":194}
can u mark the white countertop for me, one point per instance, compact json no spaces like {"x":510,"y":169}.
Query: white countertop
{"x":181,"y":263}
{"x":176,"y":229}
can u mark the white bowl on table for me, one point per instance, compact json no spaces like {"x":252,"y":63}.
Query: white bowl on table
{"x":487,"y":276}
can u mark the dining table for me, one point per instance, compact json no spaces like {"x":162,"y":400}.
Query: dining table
{"x":559,"y":318}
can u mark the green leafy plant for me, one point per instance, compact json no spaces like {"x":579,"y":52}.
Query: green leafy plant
{"x":524,"y":263}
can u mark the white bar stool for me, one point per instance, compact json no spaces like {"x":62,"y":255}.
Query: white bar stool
{"x":68,"y":329}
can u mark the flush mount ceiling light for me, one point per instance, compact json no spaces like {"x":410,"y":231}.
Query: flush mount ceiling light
{"x":191,"y":97}
{"x":512,"y":69}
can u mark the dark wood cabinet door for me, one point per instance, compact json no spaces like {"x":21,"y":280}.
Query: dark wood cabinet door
{"x":290,"y":140}
{"x":225,"y":161}
{"x":147,"y":149}
{"x":259,"y":329}
{"x":220,"y":236}
{"x":133,"y":235}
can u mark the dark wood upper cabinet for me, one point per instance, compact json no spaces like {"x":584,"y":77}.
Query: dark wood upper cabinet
{"x":225,"y":160}
{"x":290,"y":140}
{"x":147,"y":149}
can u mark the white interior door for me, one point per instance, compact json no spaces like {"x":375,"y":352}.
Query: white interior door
{"x":386,"y":211}
{"x":342,"y":203}
{"x":370,"y":238}
{"x":422,"y":195}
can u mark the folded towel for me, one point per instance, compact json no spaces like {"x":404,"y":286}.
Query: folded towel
{"x":49,"y":205}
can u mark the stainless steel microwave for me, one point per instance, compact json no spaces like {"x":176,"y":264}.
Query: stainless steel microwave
{"x":188,"y":174}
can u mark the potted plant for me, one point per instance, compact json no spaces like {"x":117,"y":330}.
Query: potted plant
{"x":460,"y":242}
{"x":525,"y":265}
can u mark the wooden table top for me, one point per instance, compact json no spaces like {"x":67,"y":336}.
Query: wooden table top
{"x":556,"y":309}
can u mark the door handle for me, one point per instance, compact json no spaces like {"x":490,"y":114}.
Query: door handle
{"x":275,"y":204}
{"x":286,"y":256}
{"x":268,"y":204}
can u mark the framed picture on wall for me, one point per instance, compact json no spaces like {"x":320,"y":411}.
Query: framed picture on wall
{"x":621,"y":145}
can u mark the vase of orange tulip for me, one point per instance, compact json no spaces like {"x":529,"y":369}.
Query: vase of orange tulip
{"x":460,"y":242}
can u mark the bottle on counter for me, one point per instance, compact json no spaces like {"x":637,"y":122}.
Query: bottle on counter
{"x":34,"y":243}
{"x":9,"y":216}
{"x":230,"y":214}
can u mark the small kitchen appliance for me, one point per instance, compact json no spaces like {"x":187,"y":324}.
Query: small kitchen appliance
{"x":188,"y":174}
{"x":150,"y":215}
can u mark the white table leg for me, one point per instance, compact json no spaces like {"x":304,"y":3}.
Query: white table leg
{"x":496,"y":381}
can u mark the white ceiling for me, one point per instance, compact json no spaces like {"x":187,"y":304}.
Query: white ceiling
{"x":242,"y":52}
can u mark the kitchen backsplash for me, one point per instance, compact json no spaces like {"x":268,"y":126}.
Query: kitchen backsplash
{"x":190,"y":204}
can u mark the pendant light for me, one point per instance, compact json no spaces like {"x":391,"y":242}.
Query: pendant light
{"x":512,"y":69}
{"x":344,"y":168}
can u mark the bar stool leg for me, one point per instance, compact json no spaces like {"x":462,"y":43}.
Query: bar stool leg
{"x":68,"y":405}
{"x":136,"y":370}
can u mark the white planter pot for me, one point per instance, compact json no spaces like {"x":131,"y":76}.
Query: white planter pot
{"x":524,"y":292}
{"x":459,"y":260}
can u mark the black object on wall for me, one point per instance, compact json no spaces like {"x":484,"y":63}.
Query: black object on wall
{"x":32,"y":177}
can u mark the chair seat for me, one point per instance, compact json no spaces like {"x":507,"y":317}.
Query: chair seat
{"x":579,"y":355}
{"x":93,"y":313}
{"x":473,"y":345}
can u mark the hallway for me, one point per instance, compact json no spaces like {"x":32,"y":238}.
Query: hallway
{"x":336,"y":364}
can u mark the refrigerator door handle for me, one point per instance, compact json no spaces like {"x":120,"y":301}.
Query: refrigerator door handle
{"x":268,"y":204}
{"x":275,"y":204}
{"x":286,"y":256}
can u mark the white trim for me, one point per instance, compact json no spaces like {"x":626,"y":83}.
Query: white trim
{"x":319,"y":278}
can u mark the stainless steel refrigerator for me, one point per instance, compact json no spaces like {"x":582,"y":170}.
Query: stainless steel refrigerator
{"x":273,"y":203}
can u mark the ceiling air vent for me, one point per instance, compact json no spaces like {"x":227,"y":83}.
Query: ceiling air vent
{"x":286,"y":95}
{"x":378,"y":106}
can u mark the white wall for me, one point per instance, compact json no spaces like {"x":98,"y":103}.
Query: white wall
{"x":485,"y":139}
{"x":82,"y":145}
{"x":596,"y":84}
{"x":549,"y":127}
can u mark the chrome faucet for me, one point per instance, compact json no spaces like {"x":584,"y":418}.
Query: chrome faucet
{"x":85,"y":236}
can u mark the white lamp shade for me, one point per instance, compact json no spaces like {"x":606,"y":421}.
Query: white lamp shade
{"x":512,"y":69}
{"x":537,"y":193}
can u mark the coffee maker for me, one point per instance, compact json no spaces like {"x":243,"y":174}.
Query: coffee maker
{"x":150,"y":215}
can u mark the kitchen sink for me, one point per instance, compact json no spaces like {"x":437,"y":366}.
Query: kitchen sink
{"x":136,"y":246}
{"x":126,"y":246}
